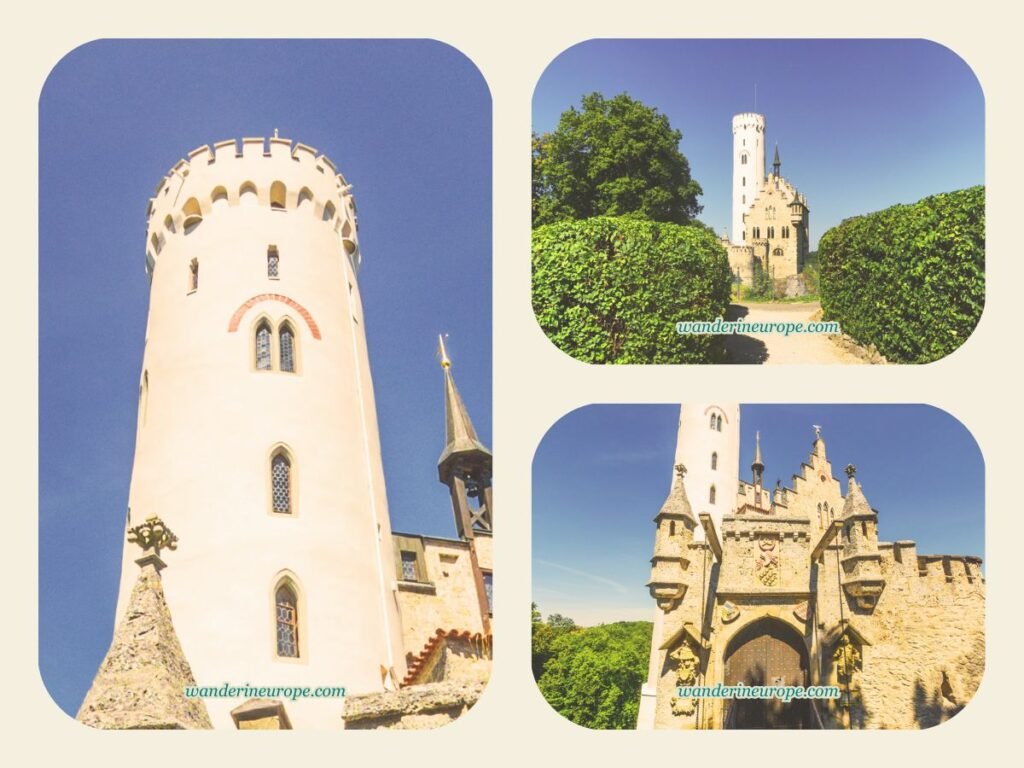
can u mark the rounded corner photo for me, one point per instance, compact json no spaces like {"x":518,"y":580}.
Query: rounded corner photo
{"x":265,"y":503}
{"x":692,"y":205}
{"x":759,"y":566}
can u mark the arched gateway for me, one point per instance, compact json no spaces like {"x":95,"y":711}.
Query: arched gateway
{"x":766,"y":652}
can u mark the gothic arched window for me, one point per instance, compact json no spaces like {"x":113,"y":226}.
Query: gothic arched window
{"x":714,"y":461}
{"x":711,"y":495}
{"x":263,"y":346}
{"x":287,"y":620}
{"x":743,"y":159}
{"x":286,"y":342}
{"x":273,"y":262}
{"x":718,"y":423}
{"x":281,"y":483}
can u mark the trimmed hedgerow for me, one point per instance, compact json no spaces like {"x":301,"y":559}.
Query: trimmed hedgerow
{"x":909,"y":279}
{"x":611,"y":289}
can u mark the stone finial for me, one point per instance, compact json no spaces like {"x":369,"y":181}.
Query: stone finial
{"x":851,"y":471}
{"x":680,"y":470}
{"x":153,"y":535}
{"x":817,"y":431}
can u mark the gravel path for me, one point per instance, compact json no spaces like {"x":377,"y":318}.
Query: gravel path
{"x":772,"y":348}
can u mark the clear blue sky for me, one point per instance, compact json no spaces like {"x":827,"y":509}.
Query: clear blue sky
{"x":602,"y":473}
{"x":860,"y":124}
{"x":407,"y":122}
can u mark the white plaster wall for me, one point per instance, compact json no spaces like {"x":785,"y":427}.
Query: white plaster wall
{"x":211,"y":420}
{"x":695,"y":443}
{"x":747,"y":136}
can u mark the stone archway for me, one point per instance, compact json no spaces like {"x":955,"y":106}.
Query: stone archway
{"x":766,"y":652}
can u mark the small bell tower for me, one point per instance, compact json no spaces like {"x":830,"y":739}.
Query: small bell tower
{"x":465,"y":467}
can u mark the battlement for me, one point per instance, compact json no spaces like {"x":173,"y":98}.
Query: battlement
{"x":276,"y":173}
{"x":747,"y":120}
{"x":902,"y":556}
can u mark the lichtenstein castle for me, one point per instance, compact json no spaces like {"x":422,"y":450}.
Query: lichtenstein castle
{"x":769,"y":216}
{"x":792,"y":585}
{"x":258,"y":446}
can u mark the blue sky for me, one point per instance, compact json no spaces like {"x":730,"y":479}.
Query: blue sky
{"x":860,"y":124}
{"x":602,"y":473}
{"x":409,"y":125}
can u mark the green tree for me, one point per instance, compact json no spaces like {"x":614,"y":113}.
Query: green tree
{"x":544,"y":636}
{"x":594,"y":675}
{"x":611,"y":290}
{"x":612,"y":157}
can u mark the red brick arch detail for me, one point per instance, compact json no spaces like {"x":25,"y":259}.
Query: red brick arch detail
{"x":246,"y":306}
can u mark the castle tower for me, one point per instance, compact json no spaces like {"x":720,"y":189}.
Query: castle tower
{"x":465,"y":467}
{"x":708,"y":445}
{"x":257,"y":432}
{"x":747,"y":168}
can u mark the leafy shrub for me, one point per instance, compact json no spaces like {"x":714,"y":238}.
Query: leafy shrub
{"x":595,"y":674}
{"x":611,"y":289}
{"x":909,"y":279}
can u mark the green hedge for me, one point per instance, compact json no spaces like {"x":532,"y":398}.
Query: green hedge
{"x":611,"y":289}
{"x":909,"y":279}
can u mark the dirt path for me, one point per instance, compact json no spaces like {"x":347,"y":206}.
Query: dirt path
{"x":772,"y":348}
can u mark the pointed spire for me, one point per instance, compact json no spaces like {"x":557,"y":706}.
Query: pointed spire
{"x":856,"y":503}
{"x":141,"y":682}
{"x":677,"y":502}
{"x":461,"y":440}
{"x":776,"y":163}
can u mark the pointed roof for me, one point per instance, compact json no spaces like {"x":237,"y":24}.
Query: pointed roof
{"x":677,"y":503}
{"x":855,"y":503}
{"x":460,"y":436}
{"x":757,"y":451}
{"x":141,"y":682}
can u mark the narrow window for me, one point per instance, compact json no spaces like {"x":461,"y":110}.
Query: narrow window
{"x":281,"y":483}
{"x":409,"y":570}
{"x":218,"y":197}
{"x":247,"y":194}
{"x":263,"y":347}
{"x":712,"y":421}
{"x":744,"y":181}
{"x":305,"y":197}
{"x":193,"y":275}
{"x":718,"y":424}
{"x":278,"y":195}
{"x":273,"y":261}
{"x":671,"y":527}
{"x":714,"y":460}
{"x":329,"y":211}
{"x":489,"y":591}
{"x":286,"y":338}
{"x":744,"y":199}
{"x":192,"y":213}
{"x":287,"y":622}
{"x":711,"y":496}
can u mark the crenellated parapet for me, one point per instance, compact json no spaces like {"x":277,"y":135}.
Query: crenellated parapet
{"x":748,"y":121}
{"x":275,"y":173}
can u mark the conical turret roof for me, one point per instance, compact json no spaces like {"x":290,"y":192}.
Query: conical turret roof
{"x":677,"y":503}
{"x":141,"y":682}
{"x":855,"y":503}
{"x":460,"y":436}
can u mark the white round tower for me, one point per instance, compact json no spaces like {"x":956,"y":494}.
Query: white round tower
{"x":747,"y":168}
{"x":708,"y":445}
{"x":257,"y":438}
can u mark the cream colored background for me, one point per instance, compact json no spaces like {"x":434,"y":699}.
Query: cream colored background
{"x":512,"y":43}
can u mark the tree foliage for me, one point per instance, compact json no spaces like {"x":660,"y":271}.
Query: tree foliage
{"x":612,"y":157}
{"x":610,"y":290}
{"x":909,"y":279}
{"x":593,"y":675}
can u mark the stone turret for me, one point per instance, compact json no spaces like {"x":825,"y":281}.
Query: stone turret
{"x":675,"y":532}
{"x":862,"y":564}
{"x":141,"y":682}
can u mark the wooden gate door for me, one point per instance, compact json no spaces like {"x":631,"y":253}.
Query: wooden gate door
{"x":766,"y":653}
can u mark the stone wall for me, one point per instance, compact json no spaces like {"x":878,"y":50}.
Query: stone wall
{"x":418,"y":707}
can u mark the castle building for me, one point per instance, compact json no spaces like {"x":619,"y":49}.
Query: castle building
{"x":793,"y":586}
{"x":770,"y":218}
{"x":257,"y":443}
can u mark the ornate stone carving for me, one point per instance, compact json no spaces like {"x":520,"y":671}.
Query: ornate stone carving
{"x":153,"y":534}
{"x":687,"y":663}
{"x":767,"y":565}
{"x":730,"y":612}
{"x":847,"y":658}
